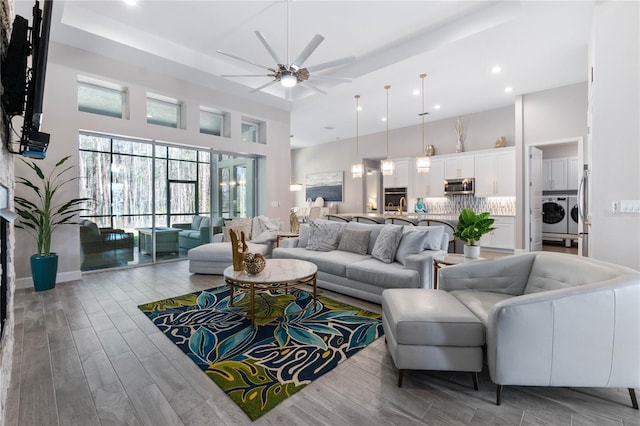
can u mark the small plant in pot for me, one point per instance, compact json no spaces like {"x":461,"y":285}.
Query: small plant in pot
{"x":471,"y":227}
{"x":42,"y":216}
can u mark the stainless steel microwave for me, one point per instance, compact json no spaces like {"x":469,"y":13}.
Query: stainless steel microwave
{"x":459,"y":186}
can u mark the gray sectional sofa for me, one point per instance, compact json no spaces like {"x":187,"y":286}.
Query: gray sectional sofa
{"x":361,"y":274}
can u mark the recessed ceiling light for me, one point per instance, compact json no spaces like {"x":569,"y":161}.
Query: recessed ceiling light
{"x":359,"y":108}
{"x":416,"y":92}
{"x":130,"y":2}
{"x":496,"y":69}
{"x":436,"y":106}
{"x":508,"y":89}
{"x":384,"y":118}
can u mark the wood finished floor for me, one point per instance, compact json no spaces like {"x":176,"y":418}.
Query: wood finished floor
{"x":85,"y":355}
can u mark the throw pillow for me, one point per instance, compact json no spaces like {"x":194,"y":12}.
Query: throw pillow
{"x":241,"y":225}
{"x":263,"y":230}
{"x":355,"y":241}
{"x":304,"y":233}
{"x":412,"y":242}
{"x":434,"y":239}
{"x":387,"y":243}
{"x":325,"y":235}
{"x":195,"y":223}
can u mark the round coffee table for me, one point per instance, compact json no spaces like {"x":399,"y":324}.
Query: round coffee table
{"x":278,"y":274}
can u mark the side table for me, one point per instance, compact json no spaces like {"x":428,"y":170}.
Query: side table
{"x":282,"y":235}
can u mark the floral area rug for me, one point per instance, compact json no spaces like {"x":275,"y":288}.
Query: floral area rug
{"x":261,"y":366}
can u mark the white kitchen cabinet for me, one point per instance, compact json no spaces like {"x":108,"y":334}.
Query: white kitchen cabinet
{"x":554,"y":172}
{"x":400,"y":176}
{"x":428,"y":184}
{"x":560,"y":174}
{"x":573,"y":173}
{"x":503,"y":236}
{"x":459,"y":166}
{"x":496,"y":173}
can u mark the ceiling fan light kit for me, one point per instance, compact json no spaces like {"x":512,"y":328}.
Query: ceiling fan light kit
{"x":386,"y":165}
{"x":290,"y":74}
{"x":356,"y":168}
{"x":423,"y":163}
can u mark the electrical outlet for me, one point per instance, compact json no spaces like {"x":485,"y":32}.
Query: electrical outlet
{"x":615,"y":207}
{"x":275,"y":204}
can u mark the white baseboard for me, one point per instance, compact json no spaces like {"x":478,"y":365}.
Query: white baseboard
{"x":62,"y":277}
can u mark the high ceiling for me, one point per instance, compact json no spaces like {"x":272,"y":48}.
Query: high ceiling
{"x":538,"y":45}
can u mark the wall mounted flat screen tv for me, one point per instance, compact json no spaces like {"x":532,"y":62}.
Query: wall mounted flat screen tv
{"x":24,"y":85}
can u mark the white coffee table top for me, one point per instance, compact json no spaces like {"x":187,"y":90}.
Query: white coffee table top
{"x":454,"y":259}
{"x":276,"y":271}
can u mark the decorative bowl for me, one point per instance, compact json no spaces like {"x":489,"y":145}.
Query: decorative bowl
{"x":254,"y":263}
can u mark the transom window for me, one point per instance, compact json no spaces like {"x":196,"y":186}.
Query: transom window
{"x":101,"y":97}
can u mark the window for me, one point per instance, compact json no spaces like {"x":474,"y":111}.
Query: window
{"x":211,"y":123}
{"x":101,"y":97}
{"x":249,"y":132}
{"x":136,"y":183}
{"x":163,"y":111}
{"x":253,"y":130}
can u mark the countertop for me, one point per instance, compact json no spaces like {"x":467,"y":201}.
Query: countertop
{"x":416,"y":216}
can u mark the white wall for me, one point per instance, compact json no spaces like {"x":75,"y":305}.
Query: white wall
{"x":483,"y":130}
{"x":615,"y":137}
{"x":63,"y":121}
{"x":555,"y":114}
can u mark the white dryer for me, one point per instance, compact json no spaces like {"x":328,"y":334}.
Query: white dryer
{"x":554,"y":214}
{"x":572,"y":203}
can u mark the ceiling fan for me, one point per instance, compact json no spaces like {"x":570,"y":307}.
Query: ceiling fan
{"x":292,"y":73}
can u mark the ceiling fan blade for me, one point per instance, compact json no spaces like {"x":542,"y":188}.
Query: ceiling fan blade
{"x":246,"y":75}
{"x":330,"y":78}
{"x":240,"y":59}
{"x":313,"y":44}
{"x":314,"y":88}
{"x":266,"y":44}
{"x":257,"y":89}
{"x":335,"y":63}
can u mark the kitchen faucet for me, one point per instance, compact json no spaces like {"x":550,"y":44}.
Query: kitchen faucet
{"x":402,"y":199}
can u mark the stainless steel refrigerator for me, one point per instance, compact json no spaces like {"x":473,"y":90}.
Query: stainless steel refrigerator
{"x":584,"y":222}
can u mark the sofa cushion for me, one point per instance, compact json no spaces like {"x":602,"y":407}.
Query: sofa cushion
{"x":325,"y":235}
{"x":481,"y":303}
{"x":204,"y":222}
{"x":292,"y":253}
{"x":387,"y":243}
{"x":221,"y":252}
{"x":553,"y":273}
{"x":91,"y":226}
{"x":418,"y":316}
{"x":387,"y":275}
{"x":354,"y":240}
{"x":375,"y":232}
{"x":195,"y":223}
{"x":188,"y":233}
{"x":335,"y":262}
{"x":434,"y":238}
{"x":412,"y":242}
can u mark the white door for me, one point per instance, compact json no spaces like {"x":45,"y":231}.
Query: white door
{"x":535,"y":199}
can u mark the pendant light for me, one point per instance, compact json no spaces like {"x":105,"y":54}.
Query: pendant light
{"x":386,"y":165}
{"x":356,"y":168}
{"x":423,"y":164}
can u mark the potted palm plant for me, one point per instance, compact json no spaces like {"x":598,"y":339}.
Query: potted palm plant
{"x":41,"y":217}
{"x":471,"y":227}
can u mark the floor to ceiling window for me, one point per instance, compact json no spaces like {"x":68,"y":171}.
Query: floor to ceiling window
{"x":154,"y":201}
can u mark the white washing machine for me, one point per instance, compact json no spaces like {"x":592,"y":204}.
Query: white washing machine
{"x":555,"y":214}
{"x":572,"y":204}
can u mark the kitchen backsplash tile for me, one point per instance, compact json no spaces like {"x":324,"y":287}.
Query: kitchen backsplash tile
{"x":505,"y":206}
